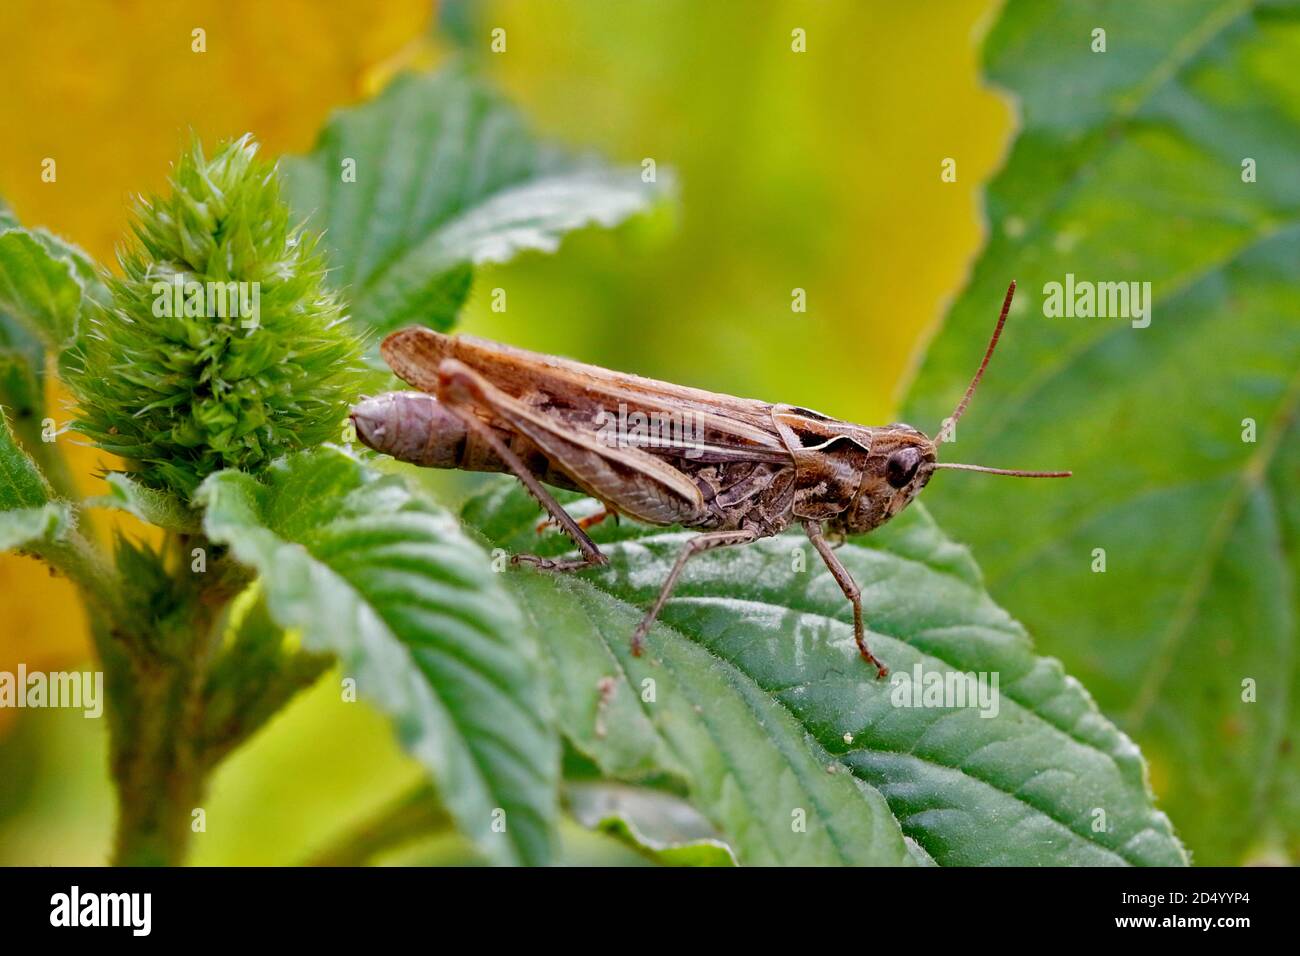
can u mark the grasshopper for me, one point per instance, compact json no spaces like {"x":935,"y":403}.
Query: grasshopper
{"x":741,"y":471}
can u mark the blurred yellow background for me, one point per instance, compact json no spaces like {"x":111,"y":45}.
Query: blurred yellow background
{"x":816,"y":170}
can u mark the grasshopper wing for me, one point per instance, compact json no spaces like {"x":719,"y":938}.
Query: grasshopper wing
{"x":725,"y":428}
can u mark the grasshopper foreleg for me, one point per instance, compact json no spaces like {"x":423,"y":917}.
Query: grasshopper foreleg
{"x":703,"y":542}
{"x":851,"y":591}
{"x":459,"y":392}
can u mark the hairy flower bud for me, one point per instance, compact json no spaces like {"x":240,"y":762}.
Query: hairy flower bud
{"x":221,"y":348}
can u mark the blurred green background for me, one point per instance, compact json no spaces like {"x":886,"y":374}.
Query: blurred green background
{"x":818,"y":171}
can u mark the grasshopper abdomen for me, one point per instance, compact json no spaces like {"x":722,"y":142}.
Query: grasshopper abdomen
{"x":415,"y":427}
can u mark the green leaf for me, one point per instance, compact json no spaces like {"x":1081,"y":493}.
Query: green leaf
{"x":22,"y":383}
{"x":389,"y":584}
{"x":22,"y":361}
{"x":29,"y":515}
{"x":659,"y":826}
{"x":22,"y":366}
{"x":46,"y":282}
{"x":151,"y":505}
{"x":447,"y":176}
{"x":28,"y":528}
{"x":763,"y":708}
{"x":1130,"y":168}
{"x":694,"y":853}
{"x":21,"y":483}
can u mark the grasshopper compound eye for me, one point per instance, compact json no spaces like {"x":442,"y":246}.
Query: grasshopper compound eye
{"x":900,"y":467}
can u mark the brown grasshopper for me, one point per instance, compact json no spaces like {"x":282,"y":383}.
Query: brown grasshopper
{"x":736,"y":469}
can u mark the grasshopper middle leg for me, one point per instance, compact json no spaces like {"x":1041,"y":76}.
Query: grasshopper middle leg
{"x":703,"y":542}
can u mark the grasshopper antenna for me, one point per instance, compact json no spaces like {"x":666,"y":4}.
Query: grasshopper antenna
{"x":1013,"y":472}
{"x":965,"y":400}
{"x":988,"y":354}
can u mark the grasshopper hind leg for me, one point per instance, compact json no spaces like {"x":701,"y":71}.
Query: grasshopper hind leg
{"x":590,"y":521}
{"x":456,"y":394}
{"x":557,"y":564}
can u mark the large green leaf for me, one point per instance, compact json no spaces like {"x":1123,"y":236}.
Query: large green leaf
{"x":447,"y":176}
{"x":762,"y":706}
{"x":1130,"y":168}
{"x":389,"y":584}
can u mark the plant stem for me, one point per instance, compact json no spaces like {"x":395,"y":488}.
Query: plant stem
{"x":156,"y":686}
{"x":158,"y":628}
{"x":184,"y":698}
{"x":160,"y":779}
{"x":54,"y":466}
{"x":419,"y":813}
{"x":151,"y":712}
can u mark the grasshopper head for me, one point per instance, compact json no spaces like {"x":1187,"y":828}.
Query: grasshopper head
{"x":902,"y":460}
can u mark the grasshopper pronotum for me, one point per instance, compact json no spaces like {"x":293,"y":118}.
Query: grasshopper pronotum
{"x":748,"y":469}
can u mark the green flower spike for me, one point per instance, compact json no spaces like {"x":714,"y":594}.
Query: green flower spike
{"x":222,"y":348}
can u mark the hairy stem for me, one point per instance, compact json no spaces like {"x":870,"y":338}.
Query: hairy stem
{"x":160,"y":777}
{"x":157,"y":655}
{"x":151,"y":710}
